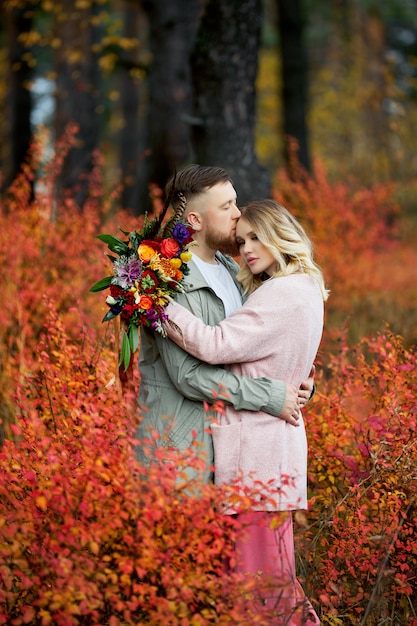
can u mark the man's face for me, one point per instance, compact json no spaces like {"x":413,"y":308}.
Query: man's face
{"x":219,"y":213}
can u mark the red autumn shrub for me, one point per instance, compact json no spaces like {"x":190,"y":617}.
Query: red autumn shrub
{"x":363,"y":479}
{"x":349,"y":226}
{"x":49,"y":251}
{"x":363,"y":243}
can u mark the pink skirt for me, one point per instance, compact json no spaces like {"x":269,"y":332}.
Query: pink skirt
{"x":269,"y":553}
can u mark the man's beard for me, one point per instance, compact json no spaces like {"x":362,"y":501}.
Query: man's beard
{"x":217,"y":241}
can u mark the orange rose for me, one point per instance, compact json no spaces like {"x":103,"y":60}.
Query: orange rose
{"x":145,"y":303}
{"x":169,"y":247}
{"x":146,"y":252}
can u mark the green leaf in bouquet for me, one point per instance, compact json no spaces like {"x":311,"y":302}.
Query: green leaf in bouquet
{"x":115,"y":244}
{"x":135,"y":240}
{"x":125,"y":351}
{"x":109,"y":316}
{"x":149,"y":230}
{"x":133,"y":338}
{"x":101,"y":284}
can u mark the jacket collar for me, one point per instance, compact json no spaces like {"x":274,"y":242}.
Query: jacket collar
{"x":195,"y":280}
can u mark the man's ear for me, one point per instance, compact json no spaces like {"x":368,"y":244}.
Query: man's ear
{"x":194,"y":219}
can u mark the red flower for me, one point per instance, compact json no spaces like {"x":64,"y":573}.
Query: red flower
{"x":169,"y":248}
{"x":149,"y":281}
{"x":153,"y":243}
{"x":127,"y":312}
{"x":116,"y":291}
{"x":191,"y":232}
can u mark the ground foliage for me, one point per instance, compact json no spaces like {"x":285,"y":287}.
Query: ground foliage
{"x":86,"y":538}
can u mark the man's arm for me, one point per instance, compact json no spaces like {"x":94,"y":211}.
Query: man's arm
{"x":197,"y":381}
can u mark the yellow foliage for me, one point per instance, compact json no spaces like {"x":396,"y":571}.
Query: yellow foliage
{"x":269,"y":110}
{"x":107,"y":62}
{"x":83,"y":4}
{"x":31,"y":38}
{"x":348,"y":127}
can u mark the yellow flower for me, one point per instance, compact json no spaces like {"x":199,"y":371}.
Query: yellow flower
{"x":164,"y":266}
{"x":185,"y":256}
{"x":176,"y":262}
{"x":160,"y":299}
{"x":146,"y":252}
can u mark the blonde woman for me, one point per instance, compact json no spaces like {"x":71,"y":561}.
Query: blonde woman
{"x":276,"y":333}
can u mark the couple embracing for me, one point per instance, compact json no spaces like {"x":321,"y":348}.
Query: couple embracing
{"x":263,"y":322}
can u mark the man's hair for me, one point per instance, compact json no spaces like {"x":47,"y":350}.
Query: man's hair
{"x":195,"y":179}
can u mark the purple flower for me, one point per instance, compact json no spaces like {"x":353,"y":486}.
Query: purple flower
{"x":180,"y":233}
{"x":127,"y":269}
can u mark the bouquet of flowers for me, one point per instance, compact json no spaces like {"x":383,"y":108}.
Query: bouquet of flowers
{"x":147,"y":273}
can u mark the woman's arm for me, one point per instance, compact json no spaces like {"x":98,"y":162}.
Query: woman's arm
{"x":250,"y":334}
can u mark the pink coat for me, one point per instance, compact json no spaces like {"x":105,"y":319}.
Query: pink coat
{"x":276,"y":333}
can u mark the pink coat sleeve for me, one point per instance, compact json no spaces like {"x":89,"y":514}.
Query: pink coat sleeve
{"x":250,"y":334}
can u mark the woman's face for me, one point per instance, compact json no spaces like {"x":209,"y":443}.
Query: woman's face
{"x":256,"y":256}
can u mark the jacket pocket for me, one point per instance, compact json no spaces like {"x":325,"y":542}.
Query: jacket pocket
{"x":226,"y":443}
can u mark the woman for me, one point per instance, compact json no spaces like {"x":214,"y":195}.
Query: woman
{"x":276,"y":333}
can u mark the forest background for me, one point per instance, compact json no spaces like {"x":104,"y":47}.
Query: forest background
{"x":311,"y":102}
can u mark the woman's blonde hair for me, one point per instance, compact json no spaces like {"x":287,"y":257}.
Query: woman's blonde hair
{"x":285,"y":238}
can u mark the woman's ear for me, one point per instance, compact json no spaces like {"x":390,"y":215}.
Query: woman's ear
{"x":194,"y":219}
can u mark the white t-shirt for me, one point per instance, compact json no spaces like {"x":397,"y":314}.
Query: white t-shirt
{"x":223,"y":285}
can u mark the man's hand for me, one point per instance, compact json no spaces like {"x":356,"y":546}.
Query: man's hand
{"x":296,"y":400}
{"x":290,"y":412}
{"x":306,"y":388}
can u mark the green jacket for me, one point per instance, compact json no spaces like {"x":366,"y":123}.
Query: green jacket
{"x":174,"y":385}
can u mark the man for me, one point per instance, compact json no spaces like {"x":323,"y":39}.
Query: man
{"x":174,"y":385}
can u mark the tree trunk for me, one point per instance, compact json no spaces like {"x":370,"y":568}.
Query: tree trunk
{"x":294,"y":82}
{"x":77,"y":96}
{"x":172,"y":30}
{"x":376,"y":119}
{"x":132,"y":102}
{"x":224,"y":67}
{"x":19,"y":103}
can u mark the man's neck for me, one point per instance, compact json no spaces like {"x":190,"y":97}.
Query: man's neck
{"x":203,"y":252}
